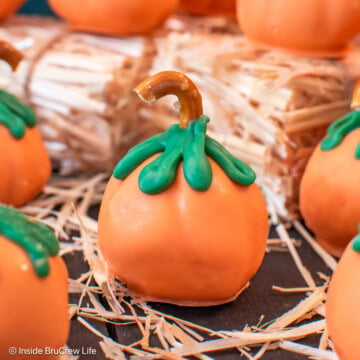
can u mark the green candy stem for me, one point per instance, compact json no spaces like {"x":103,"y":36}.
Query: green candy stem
{"x":35,"y":238}
{"x":186,"y":142}
{"x":339,"y":129}
{"x":14,"y":115}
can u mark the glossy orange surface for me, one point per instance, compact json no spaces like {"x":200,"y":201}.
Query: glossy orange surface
{"x":9,"y":7}
{"x":120,"y":17}
{"x":307,"y":27}
{"x":24,"y":166}
{"x":33,"y":310}
{"x":209,"y":7}
{"x":182,"y":246}
{"x":342,"y":306}
{"x":330,"y":194}
{"x":355,"y":103}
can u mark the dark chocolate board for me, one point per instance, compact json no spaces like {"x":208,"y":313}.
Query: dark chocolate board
{"x":259,"y":299}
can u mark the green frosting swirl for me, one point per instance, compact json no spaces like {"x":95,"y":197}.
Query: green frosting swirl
{"x":15,"y":115}
{"x":339,"y":129}
{"x":35,"y":238}
{"x":190,"y":145}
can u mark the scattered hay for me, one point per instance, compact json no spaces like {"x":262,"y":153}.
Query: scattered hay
{"x":66,"y":205}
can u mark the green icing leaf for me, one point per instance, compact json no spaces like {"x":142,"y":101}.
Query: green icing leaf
{"x":234,"y":168}
{"x":35,"y":238}
{"x":339,"y":129}
{"x":15,"y":115}
{"x":136,"y":156}
{"x":160,"y":173}
{"x":197,"y":168}
{"x":356,"y":242}
{"x":190,"y":145}
{"x":357,"y":152}
{"x":15,"y":125}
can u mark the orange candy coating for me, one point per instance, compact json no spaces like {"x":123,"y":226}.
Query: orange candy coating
{"x":8,"y":7}
{"x":330,"y":194}
{"x":33,"y":310}
{"x":209,"y":7}
{"x":306,"y":27}
{"x":342,"y":306}
{"x":24,"y":166}
{"x":182,"y":246}
{"x":118,"y":17}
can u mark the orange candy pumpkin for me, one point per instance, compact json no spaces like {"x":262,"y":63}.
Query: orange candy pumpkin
{"x":330,"y":188}
{"x":209,"y":7}
{"x":342,"y":306}
{"x":33,"y":287}
{"x":174,"y":225}
{"x":330,"y":194}
{"x":306,"y":27}
{"x":119,"y":17}
{"x":24,"y":163}
{"x":9,"y":7}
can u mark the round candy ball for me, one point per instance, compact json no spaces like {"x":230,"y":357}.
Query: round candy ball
{"x":342,"y":316}
{"x":33,"y":309}
{"x":184,"y":246}
{"x":330,"y":194}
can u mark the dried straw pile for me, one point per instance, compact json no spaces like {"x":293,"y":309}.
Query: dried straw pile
{"x":64,"y":205}
{"x":80,"y":87}
{"x":268,"y":108}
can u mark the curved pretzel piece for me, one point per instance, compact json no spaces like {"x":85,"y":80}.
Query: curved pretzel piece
{"x":9,"y":54}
